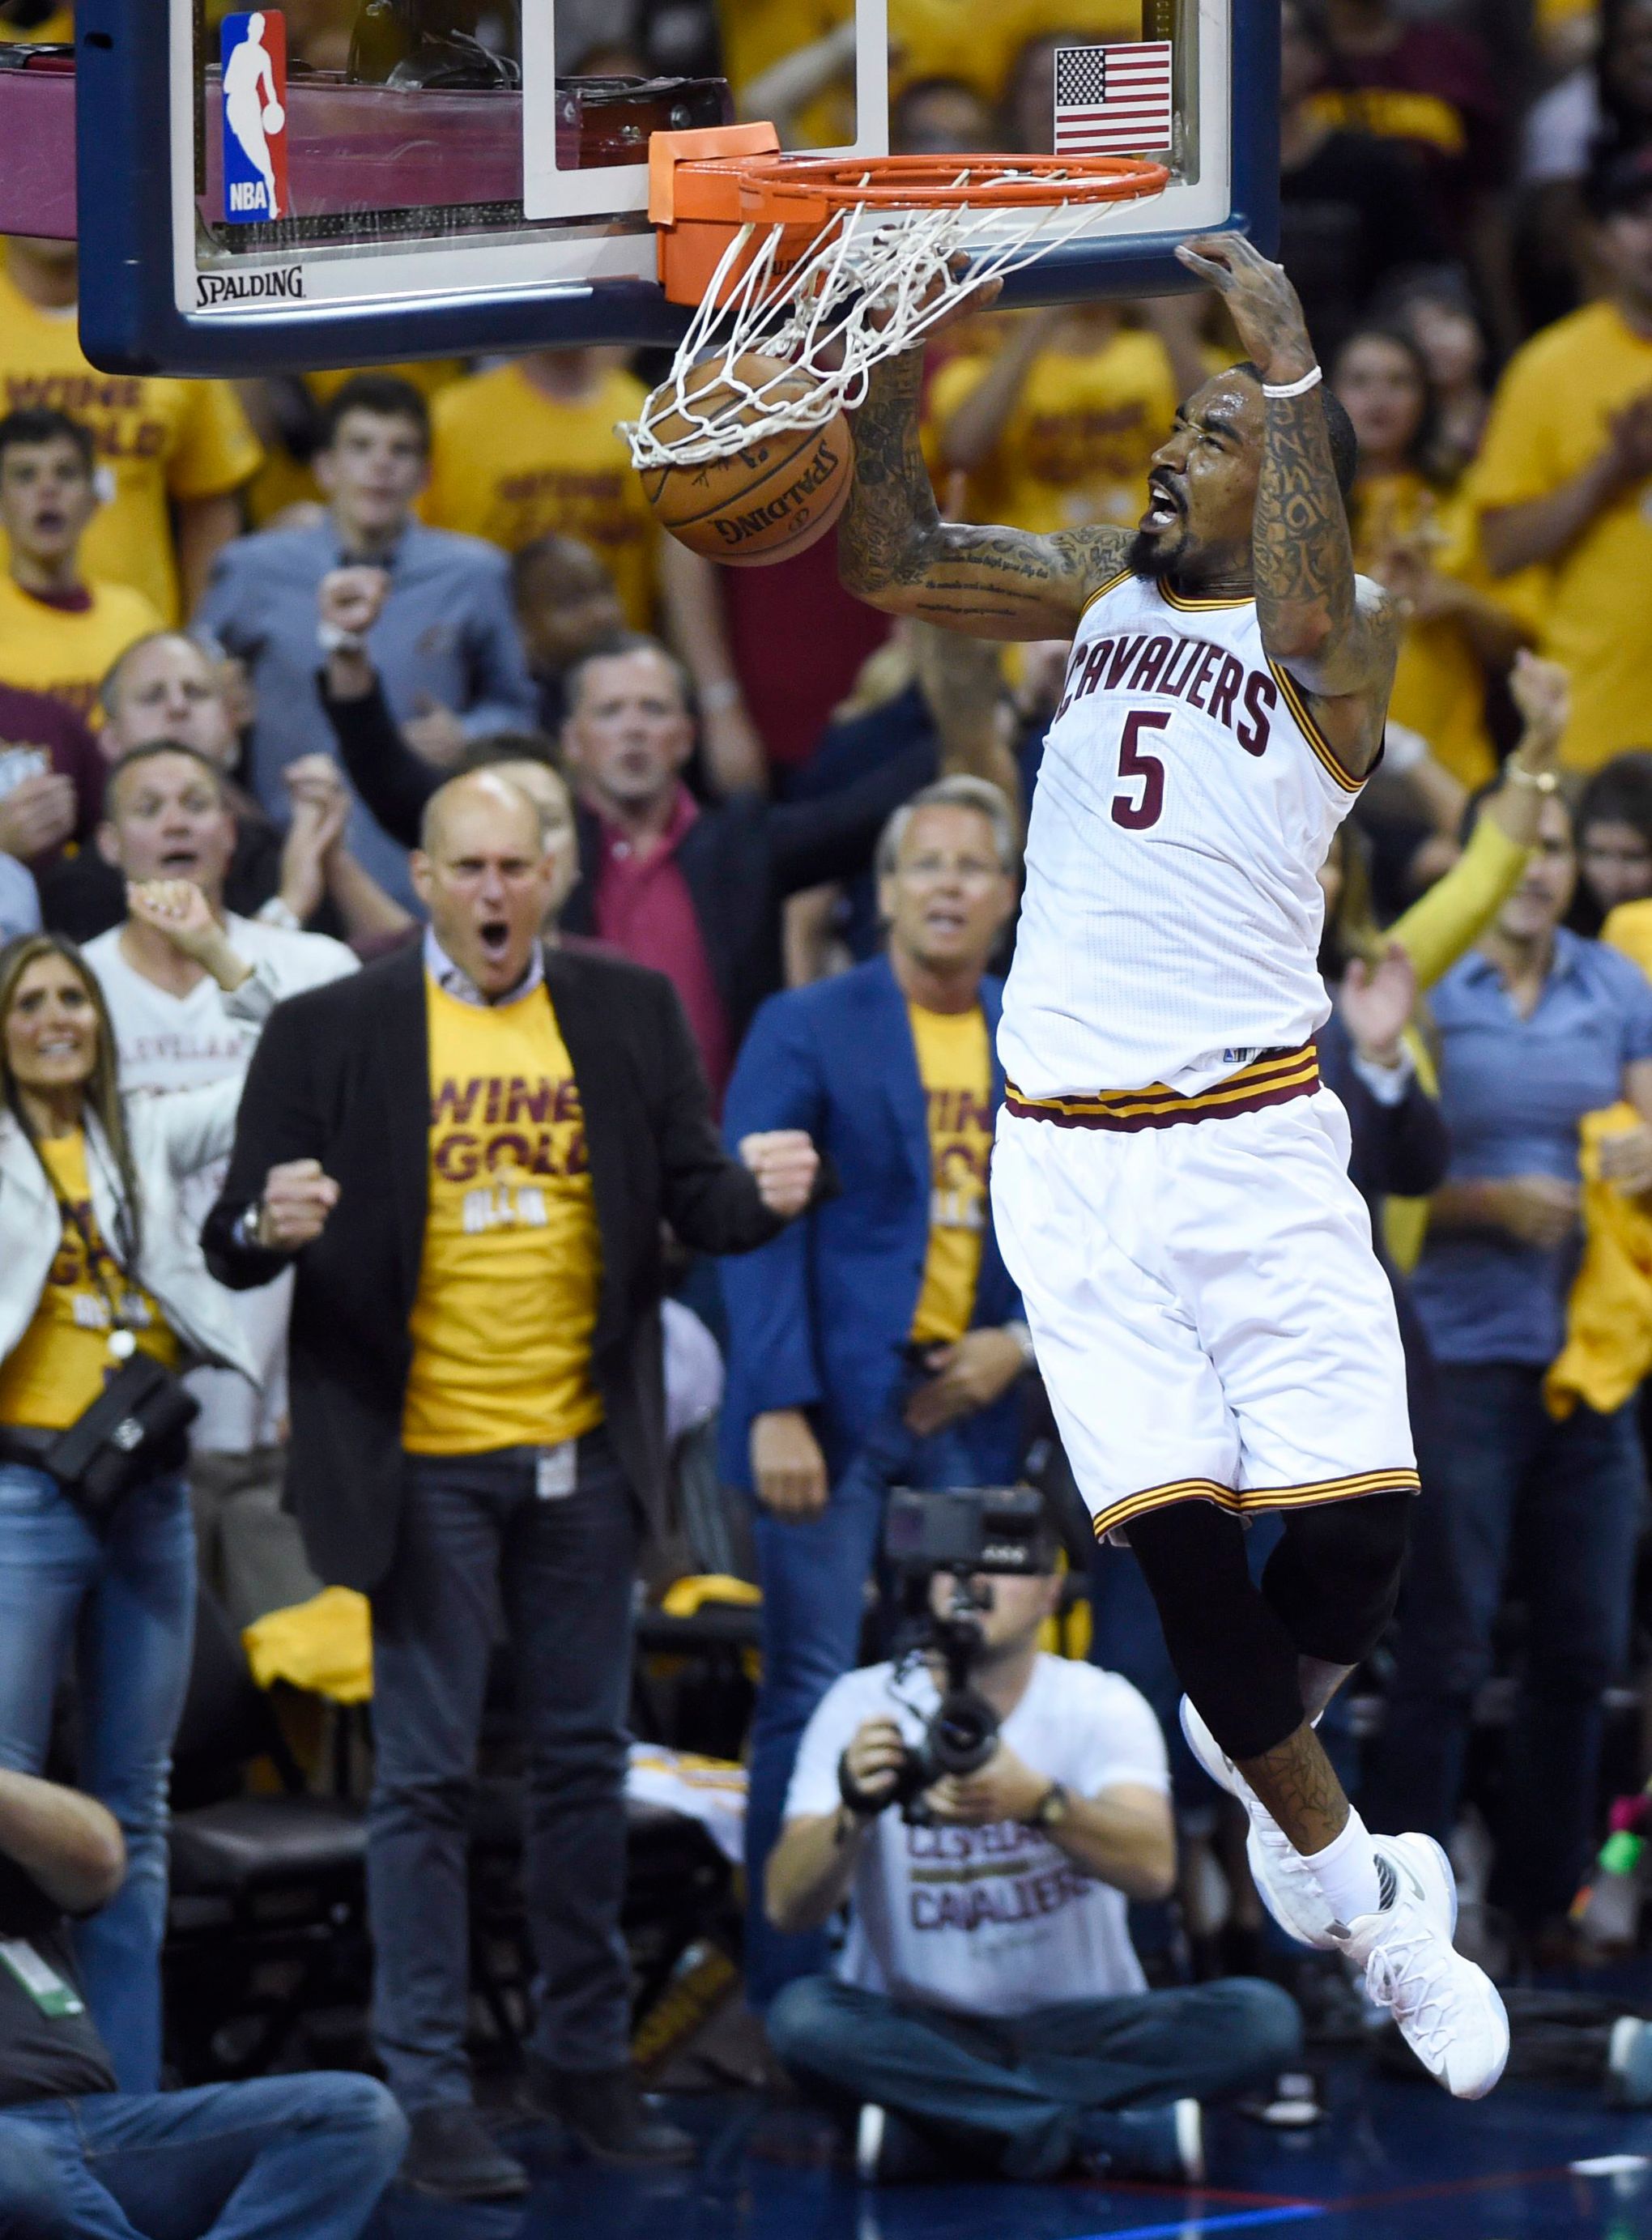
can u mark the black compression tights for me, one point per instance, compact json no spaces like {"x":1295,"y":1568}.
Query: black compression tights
{"x":1327,"y":1592}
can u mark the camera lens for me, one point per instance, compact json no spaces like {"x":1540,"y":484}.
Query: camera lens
{"x":963,"y":1732}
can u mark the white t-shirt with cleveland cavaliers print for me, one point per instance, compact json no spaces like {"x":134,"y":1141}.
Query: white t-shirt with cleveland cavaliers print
{"x":994,"y":1920}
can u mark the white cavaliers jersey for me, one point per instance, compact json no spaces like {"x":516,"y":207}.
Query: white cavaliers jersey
{"x":1184,"y":805}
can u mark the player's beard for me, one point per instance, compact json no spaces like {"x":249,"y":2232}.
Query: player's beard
{"x":1153,"y":557}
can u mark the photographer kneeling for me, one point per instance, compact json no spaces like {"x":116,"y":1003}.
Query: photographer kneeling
{"x":988,"y":2012}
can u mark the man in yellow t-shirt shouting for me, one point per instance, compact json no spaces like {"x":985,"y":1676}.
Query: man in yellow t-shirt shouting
{"x":468,"y":1153}
{"x":880,"y":1343}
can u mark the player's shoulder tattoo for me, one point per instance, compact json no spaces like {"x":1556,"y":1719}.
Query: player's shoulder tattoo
{"x":1092,"y":558}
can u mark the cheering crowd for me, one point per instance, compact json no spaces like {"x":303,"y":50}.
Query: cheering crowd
{"x":474,"y":971}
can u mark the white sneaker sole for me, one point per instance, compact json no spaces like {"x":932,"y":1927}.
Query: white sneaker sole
{"x":1306,"y":1928}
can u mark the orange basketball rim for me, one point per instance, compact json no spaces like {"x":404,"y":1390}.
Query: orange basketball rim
{"x":704,"y":187}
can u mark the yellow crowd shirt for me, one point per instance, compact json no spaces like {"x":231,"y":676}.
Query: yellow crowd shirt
{"x":1440,"y":685}
{"x":1075,"y":449}
{"x":64,"y":650}
{"x":955,"y":1064}
{"x":157,"y":441}
{"x":507,"y":1285}
{"x":510,"y":464}
{"x":1548,"y":420}
{"x":57,"y":1369}
{"x":57,"y":30}
{"x":927,"y":38}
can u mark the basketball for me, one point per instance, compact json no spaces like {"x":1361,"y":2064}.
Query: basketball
{"x":274,"y":117}
{"x":759,"y":505}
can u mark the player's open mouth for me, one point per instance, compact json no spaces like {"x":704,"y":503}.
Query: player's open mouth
{"x":1167,"y":505}
{"x":495,"y":936}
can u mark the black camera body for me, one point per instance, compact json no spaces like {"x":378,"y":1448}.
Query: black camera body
{"x":963,"y":1530}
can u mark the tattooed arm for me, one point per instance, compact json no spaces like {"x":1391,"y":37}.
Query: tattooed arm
{"x":895,"y":551}
{"x":1338,"y":633}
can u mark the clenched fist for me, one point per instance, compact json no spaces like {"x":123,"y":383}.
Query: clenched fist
{"x":297,"y":1198}
{"x":353,"y":599}
{"x":785,"y":1163}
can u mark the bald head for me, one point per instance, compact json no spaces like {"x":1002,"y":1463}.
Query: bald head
{"x":485,"y":874}
{"x":489,"y":797}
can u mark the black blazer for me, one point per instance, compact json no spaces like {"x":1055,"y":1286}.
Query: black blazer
{"x":740,"y":860}
{"x":342,"y":1075}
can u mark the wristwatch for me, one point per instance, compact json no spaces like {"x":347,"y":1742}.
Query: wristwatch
{"x":1052,"y":1807}
{"x":1537,"y":781}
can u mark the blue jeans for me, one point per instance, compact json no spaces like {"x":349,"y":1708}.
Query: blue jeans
{"x":1506,"y":1488}
{"x":474,"y":1536}
{"x":1011,"y":2094}
{"x":300,"y":2156}
{"x":813,"y":1580}
{"x":124,"y":1603}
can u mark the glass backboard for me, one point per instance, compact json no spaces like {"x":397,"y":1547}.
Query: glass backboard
{"x":439,"y":176}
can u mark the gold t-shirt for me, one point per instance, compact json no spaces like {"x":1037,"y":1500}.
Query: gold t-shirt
{"x":512,"y":1266}
{"x":510,"y":463}
{"x":955,"y":1064}
{"x":1548,"y":420}
{"x":1075,"y":450}
{"x":65,"y":654}
{"x":158,"y":441}
{"x":1440,"y":683}
{"x":58,"y":1367}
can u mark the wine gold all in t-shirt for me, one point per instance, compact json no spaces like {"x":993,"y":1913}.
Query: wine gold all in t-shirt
{"x":955,"y":1064}
{"x":57,"y":1369}
{"x":508,"y":1286}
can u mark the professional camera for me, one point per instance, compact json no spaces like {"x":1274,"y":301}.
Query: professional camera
{"x":964,"y":1531}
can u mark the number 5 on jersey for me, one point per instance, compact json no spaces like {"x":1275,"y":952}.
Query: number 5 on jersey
{"x":1133,"y":811}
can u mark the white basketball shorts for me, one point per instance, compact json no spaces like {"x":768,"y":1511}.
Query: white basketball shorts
{"x":1210,"y":1320}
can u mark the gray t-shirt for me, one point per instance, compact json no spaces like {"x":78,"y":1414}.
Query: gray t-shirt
{"x":43,"y":2056}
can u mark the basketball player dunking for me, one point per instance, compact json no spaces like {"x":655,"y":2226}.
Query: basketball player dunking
{"x":1170,"y":1182}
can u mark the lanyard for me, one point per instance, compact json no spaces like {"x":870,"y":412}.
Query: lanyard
{"x":123,"y":1341}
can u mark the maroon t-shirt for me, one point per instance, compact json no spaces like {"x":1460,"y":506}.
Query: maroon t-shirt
{"x":793,"y":678}
{"x":644,"y":909}
{"x":38,"y":734}
{"x":1433,"y":91}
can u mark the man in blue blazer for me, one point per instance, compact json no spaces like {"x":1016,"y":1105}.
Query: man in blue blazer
{"x":879,"y":1342}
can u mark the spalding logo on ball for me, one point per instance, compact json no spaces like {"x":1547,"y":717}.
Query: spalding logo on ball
{"x":254,"y":51}
{"x":762,"y":505}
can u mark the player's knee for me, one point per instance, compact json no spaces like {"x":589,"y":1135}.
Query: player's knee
{"x":1336,"y":1575}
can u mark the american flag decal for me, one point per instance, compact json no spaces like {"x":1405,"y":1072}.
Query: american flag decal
{"x":1113,"y":100}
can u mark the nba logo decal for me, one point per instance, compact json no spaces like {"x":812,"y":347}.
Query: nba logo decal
{"x":254,"y":51}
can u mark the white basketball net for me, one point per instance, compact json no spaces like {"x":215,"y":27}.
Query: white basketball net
{"x":877,"y":282}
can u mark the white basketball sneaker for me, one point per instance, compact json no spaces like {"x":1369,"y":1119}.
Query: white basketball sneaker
{"x":1284,"y":1880}
{"x":1448,"y":2010}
